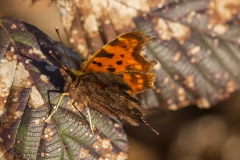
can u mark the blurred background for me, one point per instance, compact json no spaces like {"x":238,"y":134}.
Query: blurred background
{"x":187,"y":134}
{"x":43,"y":14}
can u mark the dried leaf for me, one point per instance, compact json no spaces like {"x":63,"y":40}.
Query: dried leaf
{"x":30,"y":82}
{"x":199,"y":59}
{"x":197,"y":44}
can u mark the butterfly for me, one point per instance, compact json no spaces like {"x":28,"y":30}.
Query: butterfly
{"x":109,"y":80}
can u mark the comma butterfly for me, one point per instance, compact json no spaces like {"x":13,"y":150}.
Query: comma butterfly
{"x":109,"y":79}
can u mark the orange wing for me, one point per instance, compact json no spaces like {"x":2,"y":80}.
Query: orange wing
{"x":123,"y":56}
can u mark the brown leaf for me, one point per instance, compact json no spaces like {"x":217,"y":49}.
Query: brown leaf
{"x":197,"y":54}
{"x":30,"y":86}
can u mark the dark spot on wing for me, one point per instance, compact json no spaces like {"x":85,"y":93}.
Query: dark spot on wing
{"x":103,"y":53}
{"x":122,"y":55}
{"x":124,"y":46}
{"x":134,"y":35}
{"x":99,"y":64}
{"x":119,"y":62}
{"x":114,"y":42}
{"x":111,"y":69}
{"x":135,"y":55}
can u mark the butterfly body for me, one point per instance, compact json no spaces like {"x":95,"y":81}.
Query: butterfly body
{"x":107,"y":94}
{"x":108,"y":81}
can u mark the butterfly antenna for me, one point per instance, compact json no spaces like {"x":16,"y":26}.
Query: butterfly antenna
{"x":57,"y":31}
{"x":51,"y":53}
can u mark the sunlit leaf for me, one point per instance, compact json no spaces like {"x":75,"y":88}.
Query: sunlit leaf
{"x":30,"y":86}
{"x":196,"y":44}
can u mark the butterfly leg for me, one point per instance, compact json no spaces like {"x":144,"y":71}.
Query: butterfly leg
{"x":90,"y":119}
{"x":58,"y":103}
